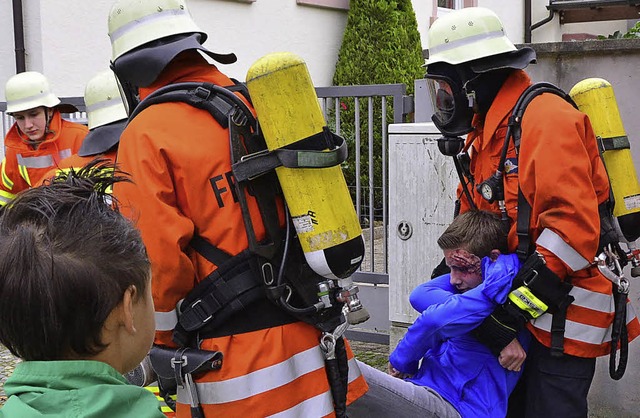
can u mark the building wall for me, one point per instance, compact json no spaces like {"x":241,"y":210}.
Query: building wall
{"x":67,"y":39}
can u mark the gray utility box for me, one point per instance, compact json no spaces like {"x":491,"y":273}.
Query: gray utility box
{"x":422,"y":184}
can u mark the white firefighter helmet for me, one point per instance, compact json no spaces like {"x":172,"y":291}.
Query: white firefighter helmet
{"x":147,"y":34}
{"x":465,"y":35}
{"x":103,"y":100}
{"x":133,"y":23}
{"x":29,"y":90}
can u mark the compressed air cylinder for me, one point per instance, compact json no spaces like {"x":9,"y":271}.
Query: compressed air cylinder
{"x":595,"y":97}
{"x":318,"y":199}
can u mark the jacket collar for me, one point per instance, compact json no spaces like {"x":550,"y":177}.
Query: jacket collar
{"x":501,"y":107}
{"x":188,"y":66}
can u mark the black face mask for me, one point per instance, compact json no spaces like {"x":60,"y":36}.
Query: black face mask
{"x":452,"y":114}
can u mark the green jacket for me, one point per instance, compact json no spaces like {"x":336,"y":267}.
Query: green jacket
{"x":70,"y":389}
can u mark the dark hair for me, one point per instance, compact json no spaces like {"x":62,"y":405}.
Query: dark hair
{"x":67,"y":257}
{"x":476,"y":231}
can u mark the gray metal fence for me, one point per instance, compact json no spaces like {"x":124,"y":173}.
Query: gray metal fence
{"x":367,"y":101}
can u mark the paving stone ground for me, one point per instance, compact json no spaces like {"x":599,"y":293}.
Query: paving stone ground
{"x":7,"y":364}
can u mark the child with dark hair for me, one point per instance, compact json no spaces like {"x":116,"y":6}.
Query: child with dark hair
{"x":439,"y":369}
{"x":76,"y":300}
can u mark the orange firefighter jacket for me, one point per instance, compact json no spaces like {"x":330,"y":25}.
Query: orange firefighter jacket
{"x":179,"y":160}
{"x":563,"y":178}
{"x":76,"y":162}
{"x":24,"y":166}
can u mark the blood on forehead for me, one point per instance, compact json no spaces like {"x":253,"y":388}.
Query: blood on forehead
{"x":462,"y":258}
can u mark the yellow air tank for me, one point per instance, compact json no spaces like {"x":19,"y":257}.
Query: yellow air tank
{"x":595,"y":97}
{"x":318,"y":199}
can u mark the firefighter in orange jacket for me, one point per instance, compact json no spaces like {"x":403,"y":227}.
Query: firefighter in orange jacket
{"x":106,"y":118}
{"x":179,"y":160}
{"x":39,"y":138}
{"x":475,"y":78}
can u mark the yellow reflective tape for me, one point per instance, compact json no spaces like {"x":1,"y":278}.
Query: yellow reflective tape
{"x":6,"y":181}
{"x":166,"y":409}
{"x":527,"y":301}
{"x":5,"y":197}
{"x":24,"y":173}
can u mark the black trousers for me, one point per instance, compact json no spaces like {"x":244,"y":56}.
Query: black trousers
{"x":552,"y":386}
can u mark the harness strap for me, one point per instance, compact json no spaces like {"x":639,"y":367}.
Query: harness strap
{"x":524,"y":248}
{"x":209,"y":251}
{"x":229,"y":289}
{"x":305,"y":153}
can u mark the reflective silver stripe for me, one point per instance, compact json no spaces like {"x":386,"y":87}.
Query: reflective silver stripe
{"x":354,"y":370}
{"x":166,"y":321}
{"x":43,"y":161}
{"x":318,"y":406}
{"x":552,"y":242}
{"x":65,"y":153}
{"x":30,"y":98}
{"x":582,"y":332}
{"x":592,"y":300}
{"x":104,"y":104}
{"x":465,"y":41}
{"x":165,"y":14}
{"x":257,"y":382}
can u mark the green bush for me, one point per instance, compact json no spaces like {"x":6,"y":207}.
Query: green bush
{"x":634,"y":32}
{"x":381,"y":45}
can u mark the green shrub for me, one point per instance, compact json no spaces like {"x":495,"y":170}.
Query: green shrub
{"x":381,"y":45}
{"x":634,"y":32}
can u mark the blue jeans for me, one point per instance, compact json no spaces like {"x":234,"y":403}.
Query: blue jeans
{"x":389,"y":396}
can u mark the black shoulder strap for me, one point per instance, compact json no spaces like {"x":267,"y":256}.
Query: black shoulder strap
{"x":514,"y":130}
{"x":221,"y":102}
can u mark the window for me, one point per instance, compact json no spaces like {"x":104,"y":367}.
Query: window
{"x":451,"y":4}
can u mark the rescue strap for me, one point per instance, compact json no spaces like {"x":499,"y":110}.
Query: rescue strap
{"x":337,"y":367}
{"x":619,"y":335}
{"x":177,"y":367}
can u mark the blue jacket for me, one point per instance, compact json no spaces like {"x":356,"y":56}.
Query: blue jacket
{"x":454,"y":363}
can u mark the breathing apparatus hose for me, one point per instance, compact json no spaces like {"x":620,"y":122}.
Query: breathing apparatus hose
{"x":463,"y":182}
{"x":280,"y":279}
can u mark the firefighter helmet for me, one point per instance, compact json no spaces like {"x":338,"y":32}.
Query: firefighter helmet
{"x":103,"y":100}
{"x":29,"y":90}
{"x":466,"y":35}
{"x":147,"y":34}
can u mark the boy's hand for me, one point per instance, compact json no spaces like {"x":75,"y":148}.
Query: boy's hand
{"x":512,"y":356}
{"x":395,"y":373}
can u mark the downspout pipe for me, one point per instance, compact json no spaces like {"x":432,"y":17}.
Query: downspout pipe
{"x":18,"y":36}
{"x":528,"y":27}
{"x":527,"y":21}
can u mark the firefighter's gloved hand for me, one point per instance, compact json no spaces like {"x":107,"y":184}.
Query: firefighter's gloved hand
{"x":499,"y":329}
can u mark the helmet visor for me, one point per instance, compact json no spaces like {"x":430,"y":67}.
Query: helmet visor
{"x":442,"y":94}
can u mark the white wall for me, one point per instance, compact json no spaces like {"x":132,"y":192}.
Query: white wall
{"x":67,"y":39}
